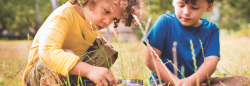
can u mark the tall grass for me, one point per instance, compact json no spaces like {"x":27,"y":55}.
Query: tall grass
{"x":234,"y":57}
{"x":13,"y":59}
{"x":195,"y":66}
{"x":130,"y":64}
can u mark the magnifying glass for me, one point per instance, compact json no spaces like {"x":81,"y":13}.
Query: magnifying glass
{"x":123,"y":81}
{"x":130,"y":82}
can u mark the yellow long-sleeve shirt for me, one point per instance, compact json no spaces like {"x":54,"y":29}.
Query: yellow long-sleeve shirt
{"x":63,"y":29}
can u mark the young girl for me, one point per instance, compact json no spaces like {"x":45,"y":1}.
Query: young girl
{"x":68,"y":33}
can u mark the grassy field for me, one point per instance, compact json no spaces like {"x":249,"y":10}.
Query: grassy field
{"x":13,"y":60}
{"x":235,"y":60}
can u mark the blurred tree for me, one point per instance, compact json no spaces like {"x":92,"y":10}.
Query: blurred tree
{"x":23,"y":16}
{"x":6,"y":15}
{"x":158,"y":7}
{"x":38,"y":16}
{"x":234,"y":13}
{"x":16,"y":16}
{"x":54,"y":4}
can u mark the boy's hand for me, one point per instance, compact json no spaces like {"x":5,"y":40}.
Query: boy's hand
{"x":100,"y":40}
{"x":101,"y":76}
{"x":185,"y":82}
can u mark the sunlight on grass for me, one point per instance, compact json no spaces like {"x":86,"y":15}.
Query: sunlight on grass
{"x":130,"y":62}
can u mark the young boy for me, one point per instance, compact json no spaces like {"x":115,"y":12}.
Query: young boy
{"x":68,"y":33}
{"x":184,"y":25}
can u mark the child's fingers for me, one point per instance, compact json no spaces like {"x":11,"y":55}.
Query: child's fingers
{"x":180,"y":82}
{"x":101,"y":41}
{"x":95,"y":46}
{"x":111,"y":79}
{"x":105,"y":82}
{"x":203,"y":84}
{"x":115,"y":81}
{"x":99,"y":83}
{"x":104,"y":40}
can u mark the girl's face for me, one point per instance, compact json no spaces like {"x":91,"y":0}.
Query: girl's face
{"x":103,"y":13}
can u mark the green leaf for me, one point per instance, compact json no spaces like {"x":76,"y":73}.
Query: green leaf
{"x":83,"y":35}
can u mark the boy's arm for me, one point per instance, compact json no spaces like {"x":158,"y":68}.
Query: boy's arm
{"x":207,"y":68}
{"x":212,"y":57}
{"x":164,"y":73}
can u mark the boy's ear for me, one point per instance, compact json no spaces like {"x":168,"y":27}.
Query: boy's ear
{"x":173,"y":3}
{"x":210,"y":6}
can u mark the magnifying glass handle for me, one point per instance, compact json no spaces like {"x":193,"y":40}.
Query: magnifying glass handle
{"x":87,"y":81}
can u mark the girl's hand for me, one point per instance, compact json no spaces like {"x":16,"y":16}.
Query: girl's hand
{"x":101,"y":76}
{"x":203,"y":84}
{"x":100,"y":40}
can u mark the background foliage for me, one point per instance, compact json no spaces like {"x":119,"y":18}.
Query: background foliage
{"x":20,"y":17}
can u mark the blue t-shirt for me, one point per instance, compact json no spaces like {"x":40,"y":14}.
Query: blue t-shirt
{"x":168,"y":29}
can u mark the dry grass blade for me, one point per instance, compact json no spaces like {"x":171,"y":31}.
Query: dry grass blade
{"x":195,"y":66}
{"x":140,"y":26}
{"x":150,"y":73}
{"x":175,"y":58}
{"x":16,"y":74}
{"x":147,"y":27}
{"x":246,"y":82}
{"x":222,"y":83}
{"x":152,"y":51}
{"x":205,"y":63}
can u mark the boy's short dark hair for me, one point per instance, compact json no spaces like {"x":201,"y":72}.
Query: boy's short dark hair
{"x":194,"y":1}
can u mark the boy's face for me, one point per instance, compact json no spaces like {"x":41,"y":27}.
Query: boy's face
{"x":103,"y":13}
{"x":190,"y":14}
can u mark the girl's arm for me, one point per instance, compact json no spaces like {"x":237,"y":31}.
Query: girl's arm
{"x":54,"y":57}
{"x":99,"y":75}
{"x":201,"y":73}
{"x":164,"y":73}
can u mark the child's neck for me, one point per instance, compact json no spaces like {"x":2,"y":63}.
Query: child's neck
{"x":198,"y":23}
{"x":79,"y":11}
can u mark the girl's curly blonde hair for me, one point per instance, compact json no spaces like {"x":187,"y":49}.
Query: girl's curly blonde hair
{"x":131,"y":7}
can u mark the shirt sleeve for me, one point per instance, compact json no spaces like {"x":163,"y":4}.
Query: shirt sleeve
{"x":157,"y":35}
{"x":50,"y":44}
{"x":214,"y":43}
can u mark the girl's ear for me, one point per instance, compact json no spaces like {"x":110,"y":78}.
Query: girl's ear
{"x":210,"y":6}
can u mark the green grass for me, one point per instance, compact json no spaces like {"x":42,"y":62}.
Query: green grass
{"x":235,"y":57}
{"x":130,"y":64}
{"x":13,"y":55}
